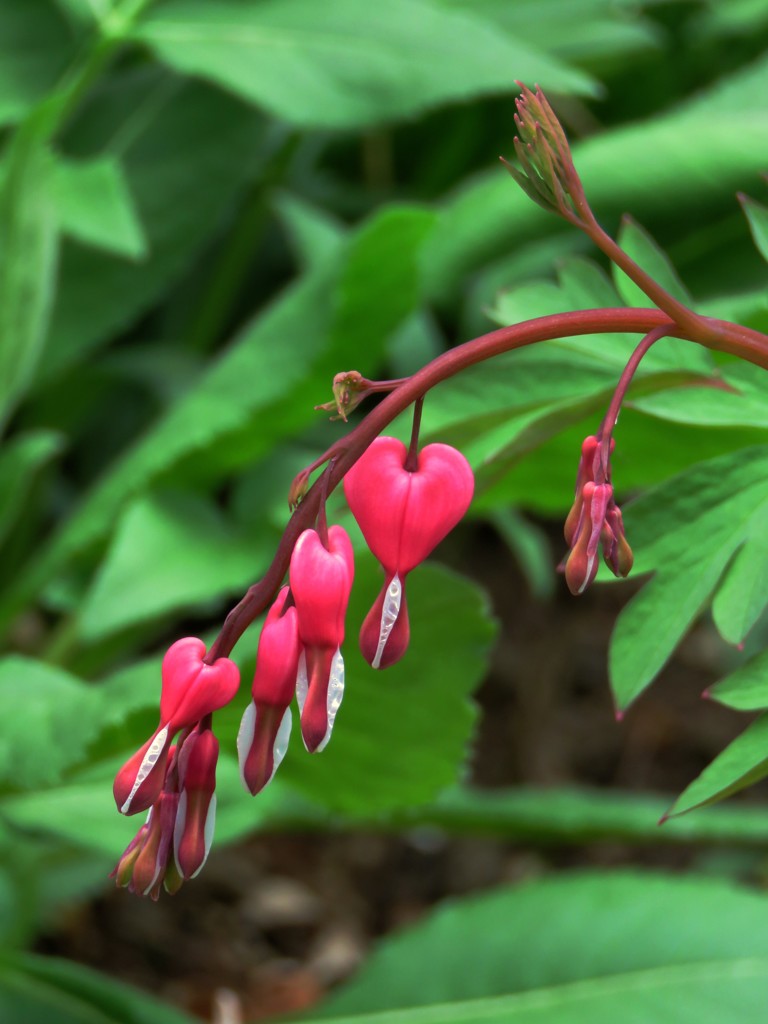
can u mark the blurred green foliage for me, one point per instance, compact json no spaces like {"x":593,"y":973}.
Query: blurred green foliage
{"x":209,"y":208}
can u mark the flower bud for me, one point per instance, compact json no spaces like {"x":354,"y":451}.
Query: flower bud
{"x":196,"y":812}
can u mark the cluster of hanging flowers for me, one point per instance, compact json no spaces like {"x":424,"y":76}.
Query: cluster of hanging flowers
{"x":594,"y":520}
{"x":405,"y":504}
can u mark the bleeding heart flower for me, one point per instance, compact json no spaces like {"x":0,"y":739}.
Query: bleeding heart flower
{"x":321,"y":581}
{"x":403,"y":515}
{"x":191,"y":689}
{"x":266,"y":726}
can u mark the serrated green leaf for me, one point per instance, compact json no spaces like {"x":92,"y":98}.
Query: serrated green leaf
{"x":741,"y":764}
{"x":745,"y":689}
{"x":341,"y":67}
{"x":653,"y":623}
{"x":741,"y":400}
{"x":743,"y":593}
{"x":95,"y":206}
{"x":645,"y":251}
{"x":28,"y":254}
{"x":169,"y":552}
{"x":518,"y":954}
{"x":52,"y":725}
{"x":582,"y":285}
{"x":757,"y":215}
{"x":686,"y":530}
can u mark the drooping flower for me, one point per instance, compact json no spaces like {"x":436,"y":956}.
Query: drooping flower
{"x":266,"y":726}
{"x":403,"y":515}
{"x":196,"y":812}
{"x":173,"y":843}
{"x":321,"y":581}
{"x":191,"y":689}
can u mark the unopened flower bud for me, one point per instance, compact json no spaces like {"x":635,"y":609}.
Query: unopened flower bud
{"x":196,"y":812}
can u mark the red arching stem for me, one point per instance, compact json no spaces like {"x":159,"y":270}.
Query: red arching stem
{"x":412,"y":458}
{"x":612,"y":412}
{"x":739,"y":341}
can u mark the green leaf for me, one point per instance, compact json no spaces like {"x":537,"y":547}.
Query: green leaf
{"x":313,"y":233}
{"x":742,"y":400}
{"x":384,"y":737}
{"x":95,"y":206}
{"x":646,"y":252}
{"x":569,"y":814}
{"x":40,"y":990}
{"x":20,"y":461}
{"x":757,"y":215}
{"x":340,"y":306}
{"x":153,"y":125}
{"x":743,"y":593}
{"x":745,"y":689}
{"x":596,"y":30}
{"x":519,"y":954}
{"x":742,"y":763}
{"x":35,"y":45}
{"x":687,"y":530}
{"x":341,"y":67}
{"x":582,"y":285}
{"x":169,"y":552}
{"x":52,"y":725}
{"x":28,"y":253}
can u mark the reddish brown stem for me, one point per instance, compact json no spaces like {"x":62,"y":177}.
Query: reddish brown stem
{"x":612,"y":413}
{"x":412,"y":458}
{"x":743,"y":342}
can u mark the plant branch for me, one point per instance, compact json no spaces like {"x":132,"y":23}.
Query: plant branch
{"x":747,"y":344}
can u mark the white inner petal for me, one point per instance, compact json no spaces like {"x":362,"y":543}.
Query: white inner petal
{"x":389,"y":612}
{"x":178,"y":828}
{"x":245,"y":736}
{"x":210,"y":824}
{"x":302,"y":683}
{"x":281,"y":741}
{"x":588,"y":573}
{"x":335,"y":694}
{"x":148,"y":763}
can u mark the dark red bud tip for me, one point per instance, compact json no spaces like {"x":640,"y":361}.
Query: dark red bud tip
{"x":580,"y":567}
{"x":319,"y":692}
{"x":262,"y":743}
{"x":664,"y":818}
{"x":386,"y":631}
{"x":706,"y":694}
{"x":618,"y":715}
